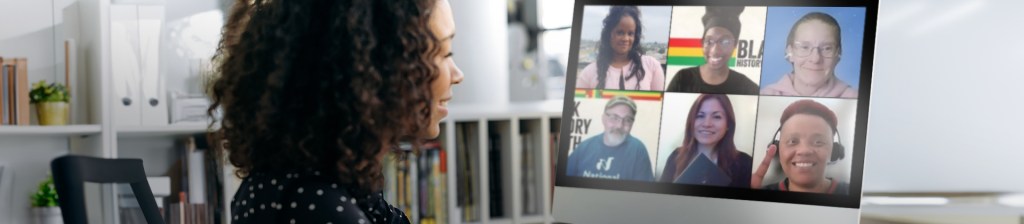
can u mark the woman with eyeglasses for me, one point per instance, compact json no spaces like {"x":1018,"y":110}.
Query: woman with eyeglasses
{"x":813,"y":47}
{"x":710,"y":132}
{"x":721,"y":33}
{"x":621,"y":63}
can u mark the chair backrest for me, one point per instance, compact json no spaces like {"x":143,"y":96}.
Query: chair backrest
{"x":71,"y":172}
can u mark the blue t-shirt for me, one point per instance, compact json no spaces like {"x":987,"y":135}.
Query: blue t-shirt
{"x":627,"y":161}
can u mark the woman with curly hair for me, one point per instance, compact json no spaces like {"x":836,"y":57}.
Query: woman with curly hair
{"x":314,"y":93}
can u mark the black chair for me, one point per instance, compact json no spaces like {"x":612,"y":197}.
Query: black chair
{"x":71,"y":172}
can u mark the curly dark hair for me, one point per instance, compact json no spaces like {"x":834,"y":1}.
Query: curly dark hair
{"x":328,"y":85}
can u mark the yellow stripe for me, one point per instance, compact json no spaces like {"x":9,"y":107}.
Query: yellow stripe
{"x":685,"y":51}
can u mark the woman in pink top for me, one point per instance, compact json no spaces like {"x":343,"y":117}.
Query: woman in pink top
{"x":814,"y":47}
{"x":621,"y":63}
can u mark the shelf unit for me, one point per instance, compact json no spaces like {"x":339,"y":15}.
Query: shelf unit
{"x":466,"y":137}
{"x":88,"y":22}
{"x":537,"y":121}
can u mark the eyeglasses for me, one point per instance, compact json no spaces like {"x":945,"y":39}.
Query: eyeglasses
{"x":619,"y":119}
{"x":803,"y":49}
{"x":721,"y":43}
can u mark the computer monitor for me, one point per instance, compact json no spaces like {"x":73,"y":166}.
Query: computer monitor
{"x":738,"y":111}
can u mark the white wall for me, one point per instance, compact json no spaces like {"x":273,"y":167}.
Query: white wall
{"x":947,"y":113}
{"x":480,"y":49}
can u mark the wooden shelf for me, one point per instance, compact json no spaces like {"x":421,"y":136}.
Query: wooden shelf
{"x":55,"y":131}
{"x":159,"y":131}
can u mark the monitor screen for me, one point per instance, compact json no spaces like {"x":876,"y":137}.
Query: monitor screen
{"x":760,"y":101}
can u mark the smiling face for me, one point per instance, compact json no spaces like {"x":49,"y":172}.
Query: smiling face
{"x":711,"y":123}
{"x":624,"y":35}
{"x":813,"y":52}
{"x":805,"y":145}
{"x":443,"y":26}
{"x":718,"y":45}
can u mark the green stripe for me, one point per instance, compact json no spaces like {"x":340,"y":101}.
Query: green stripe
{"x":693,"y":61}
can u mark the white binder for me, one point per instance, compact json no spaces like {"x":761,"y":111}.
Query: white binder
{"x":154,"y":98}
{"x":135,"y":64}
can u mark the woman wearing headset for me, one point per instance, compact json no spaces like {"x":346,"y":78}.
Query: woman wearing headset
{"x":806,"y":144}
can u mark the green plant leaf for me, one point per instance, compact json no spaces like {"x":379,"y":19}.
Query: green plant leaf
{"x":46,"y":195}
{"x":54,"y":92}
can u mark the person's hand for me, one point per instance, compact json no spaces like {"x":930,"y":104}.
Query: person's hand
{"x":758,"y":177}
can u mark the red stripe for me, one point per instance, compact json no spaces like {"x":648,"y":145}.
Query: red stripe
{"x":684,"y":42}
{"x":655,"y":98}
{"x":782,"y":185}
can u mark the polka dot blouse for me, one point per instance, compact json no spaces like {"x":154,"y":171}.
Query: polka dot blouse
{"x":307,"y":197}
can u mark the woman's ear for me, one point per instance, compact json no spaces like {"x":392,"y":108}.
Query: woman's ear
{"x":789,"y":54}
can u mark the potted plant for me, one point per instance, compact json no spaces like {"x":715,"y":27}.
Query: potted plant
{"x":45,"y":208}
{"x":51,"y":102}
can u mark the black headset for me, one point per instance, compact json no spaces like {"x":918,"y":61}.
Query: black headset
{"x":838,"y":150}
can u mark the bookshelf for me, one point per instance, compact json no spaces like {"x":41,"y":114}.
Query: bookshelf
{"x":520,"y":134}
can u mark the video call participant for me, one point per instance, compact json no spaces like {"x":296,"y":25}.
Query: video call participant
{"x":710,"y":129}
{"x":310,"y":109}
{"x":807,"y":142}
{"x":813,"y":48}
{"x":621,"y":63}
{"x":614,"y":154}
{"x":721,"y":33}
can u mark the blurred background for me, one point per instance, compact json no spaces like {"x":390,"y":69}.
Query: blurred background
{"x":944,"y":135}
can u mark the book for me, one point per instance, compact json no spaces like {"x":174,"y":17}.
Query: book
{"x":468,"y":165}
{"x":390,"y":184}
{"x":704,"y":172}
{"x":441,"y":181}
{"x":214,"y":182}
{"x":196,"y":183}
{"x":196,"y":172}
{"x":5,"y":104}
{"x":529,"y":176}
{"x":432,"y":185}
{"x":9,"y":104}
{"x":552,"y":152}
{"x":21,"y":88}
{"x":495,"y":181}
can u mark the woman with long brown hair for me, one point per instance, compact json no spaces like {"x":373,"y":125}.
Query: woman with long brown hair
{"x":710,"y":129}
